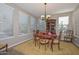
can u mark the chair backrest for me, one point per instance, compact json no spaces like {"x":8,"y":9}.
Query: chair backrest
{"x":59,"y":36}
{"x":34,"y":32}
{"x":37,"y":31}
{"x":69,"y":33}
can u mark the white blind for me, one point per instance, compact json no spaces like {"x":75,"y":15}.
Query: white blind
{"x":6,"y":25}
{"x":23,"y":22}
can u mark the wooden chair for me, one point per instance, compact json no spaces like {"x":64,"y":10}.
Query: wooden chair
{"x":35,"y":37}
{"x":69,"y":36}
{"x":56,"y":41}
{"x":44,"y":42}
{"x":3,"y":48}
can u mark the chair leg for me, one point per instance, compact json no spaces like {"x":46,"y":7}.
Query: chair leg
{"x":35,"y":43}
{"x":58,"y":46}
{"x":64,"y":39}
{"x":52,"y":47}
{"x":45,"y":47}
{"x":71,"y":39}
{"x":48,"y":45}
{"x":39,"y":45}
{"x":6,"y":47}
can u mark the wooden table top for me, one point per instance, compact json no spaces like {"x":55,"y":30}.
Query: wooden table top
{"x":46,"y":35}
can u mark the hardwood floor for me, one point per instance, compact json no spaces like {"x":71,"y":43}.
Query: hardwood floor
{"x":29,"y":48}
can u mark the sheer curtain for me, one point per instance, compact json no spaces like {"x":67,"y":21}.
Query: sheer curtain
{"x":63,"y":23}
{"x":23,"y":22}
{"x":33,"y":23}
{"x":6,"y":25}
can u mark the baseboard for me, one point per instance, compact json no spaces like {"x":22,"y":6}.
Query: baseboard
{"x":76,"y":42}
{"x":18,"y":43}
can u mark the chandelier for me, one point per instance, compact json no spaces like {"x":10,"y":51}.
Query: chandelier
{"x":45,"y":16}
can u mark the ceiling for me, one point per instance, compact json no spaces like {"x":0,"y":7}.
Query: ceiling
{"x":37,"y":9}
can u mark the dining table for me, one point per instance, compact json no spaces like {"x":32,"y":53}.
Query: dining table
{"x":49,"y":36}
{"x":46,"y":35}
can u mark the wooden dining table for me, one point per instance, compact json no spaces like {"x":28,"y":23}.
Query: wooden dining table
{"x":45,"y":35}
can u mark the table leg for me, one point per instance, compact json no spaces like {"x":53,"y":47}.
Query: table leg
{"x":51,"y":45}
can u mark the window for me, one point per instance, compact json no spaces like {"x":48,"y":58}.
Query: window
{"x":42,"y":25}
{"x":6,"y":25}
{"x":33,"y":23}
{"x":23,"y":22}
{"x":63,"y":22}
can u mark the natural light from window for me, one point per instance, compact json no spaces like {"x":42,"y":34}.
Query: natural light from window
{"x":63,"y":22}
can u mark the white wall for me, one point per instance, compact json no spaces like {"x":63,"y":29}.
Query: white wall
{"x":75,"y":19}
{"x":16,"y":38}
{"x":75,"y":25}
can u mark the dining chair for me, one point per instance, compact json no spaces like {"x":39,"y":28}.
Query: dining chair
{"x":68,"y":36}
{"x":56,"y":41}
{"x":35,"y":37}
{"x":44,"y":42}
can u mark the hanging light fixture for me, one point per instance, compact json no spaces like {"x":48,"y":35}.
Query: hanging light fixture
{"x":45,"y":10}
{"x":45,"y":16}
